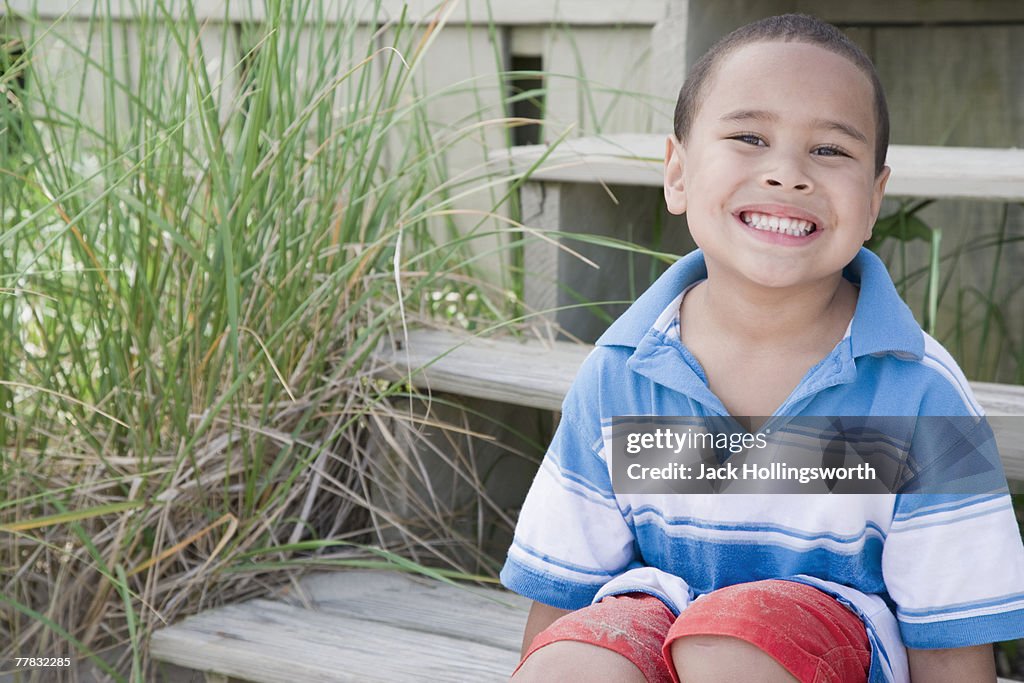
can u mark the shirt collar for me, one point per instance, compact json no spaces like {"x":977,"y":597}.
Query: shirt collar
{"x":882,"y":322}
{"x":639,"y":318}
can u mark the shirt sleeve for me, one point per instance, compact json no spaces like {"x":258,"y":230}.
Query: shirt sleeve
{"x":953,"y":561}
{"x":571,"y":537}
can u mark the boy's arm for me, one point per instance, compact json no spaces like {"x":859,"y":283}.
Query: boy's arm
{"x":541,"y":616}
{"x":953,"y":665}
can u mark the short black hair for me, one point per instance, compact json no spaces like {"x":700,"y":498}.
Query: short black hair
{"x":787,"y":28}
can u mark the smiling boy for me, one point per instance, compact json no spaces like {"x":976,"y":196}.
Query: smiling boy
{"x":778,"y":161}
{"x":785,"y":142}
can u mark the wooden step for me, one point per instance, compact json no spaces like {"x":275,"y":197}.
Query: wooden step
{"x":358,"y":626}
{"x":538,"y":374}
{"x":637,"y":159}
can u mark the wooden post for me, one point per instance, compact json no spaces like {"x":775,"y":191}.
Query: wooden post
{"x":570,"y":275}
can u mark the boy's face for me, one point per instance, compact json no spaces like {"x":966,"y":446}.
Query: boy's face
{"x":783,"y":139}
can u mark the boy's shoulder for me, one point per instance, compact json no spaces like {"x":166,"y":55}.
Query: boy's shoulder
{"x":932,"y":382}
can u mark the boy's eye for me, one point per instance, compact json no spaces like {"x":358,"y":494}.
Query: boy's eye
{"x":750,"y":139}
{"x":830,"y":151}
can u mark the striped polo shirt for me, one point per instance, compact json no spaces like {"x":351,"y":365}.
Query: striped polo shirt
{"x":921,"y":570}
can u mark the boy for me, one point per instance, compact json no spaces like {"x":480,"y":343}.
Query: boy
{"x":778,"y":161}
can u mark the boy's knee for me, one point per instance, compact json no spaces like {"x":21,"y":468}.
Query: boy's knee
{"x":571,"y":661}
{"x":708,"y":658}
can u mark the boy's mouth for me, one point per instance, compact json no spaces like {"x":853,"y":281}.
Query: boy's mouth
{"x":796,"y":227}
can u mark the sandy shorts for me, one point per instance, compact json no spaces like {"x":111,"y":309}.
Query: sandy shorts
{"x":808,"y":632}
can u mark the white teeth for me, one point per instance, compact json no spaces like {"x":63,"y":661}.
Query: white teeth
{"x":789,"y":226}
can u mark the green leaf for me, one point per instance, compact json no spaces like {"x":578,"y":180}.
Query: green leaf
{"x":900,"y":226}
{"x":71,"y":516}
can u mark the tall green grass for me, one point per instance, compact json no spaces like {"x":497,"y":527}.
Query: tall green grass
{"x":978,"y":319}
{"x":200,"y":252}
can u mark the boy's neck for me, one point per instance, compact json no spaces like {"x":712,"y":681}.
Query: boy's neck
{"x":744,"y":314}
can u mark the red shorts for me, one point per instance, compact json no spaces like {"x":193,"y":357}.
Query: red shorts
{"x":808,"y":632}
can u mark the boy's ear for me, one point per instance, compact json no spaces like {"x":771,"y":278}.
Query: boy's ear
{"x":877,"y":193}
{"x":675,"y":192}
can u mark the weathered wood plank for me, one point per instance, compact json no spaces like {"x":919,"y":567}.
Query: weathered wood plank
{"x":486,"y":616}
{"x":575,"y":102}
{"x":956,"y":172}
{"x":540,"y":205}
{"x":928,"y":12}
{"x":479,"y":12}
{"x":529,"y":374}
{"x":999,"y":399}
{"x":538,"y":374}
{"x":917,"y":171}
{"x":273,"y":642}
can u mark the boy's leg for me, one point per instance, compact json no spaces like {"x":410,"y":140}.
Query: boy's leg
{"x":703,"y":659}
{"x":777,"y":631}
{"x":618,"y":640}
{"x":569,"y":661}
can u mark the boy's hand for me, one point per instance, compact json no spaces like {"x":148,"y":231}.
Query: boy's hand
{"x":955,"y":665}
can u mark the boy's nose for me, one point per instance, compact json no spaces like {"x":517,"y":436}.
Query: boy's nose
{"x":787,"y":174}
{"x":803,"y":185}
